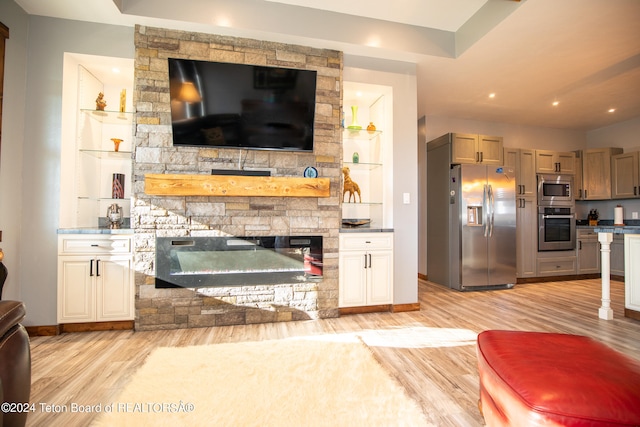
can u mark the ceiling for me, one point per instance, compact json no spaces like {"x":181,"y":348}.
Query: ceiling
{"x":584,"y":54}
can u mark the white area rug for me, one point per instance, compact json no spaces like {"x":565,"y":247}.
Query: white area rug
{"x":301,"y":382}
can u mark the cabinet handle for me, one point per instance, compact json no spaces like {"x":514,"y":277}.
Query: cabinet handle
{"x":98,"y":268}
{"x":635,"y":190}
{"x":365,"y":260}
{"x":91,"y":268}
{"x":481,"y":157}
{"x":585,"y":194}
{"x":369,"y":260}
{"x":579,"y":245}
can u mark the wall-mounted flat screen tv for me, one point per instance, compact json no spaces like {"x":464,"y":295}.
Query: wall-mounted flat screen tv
{"x":225,"y":105}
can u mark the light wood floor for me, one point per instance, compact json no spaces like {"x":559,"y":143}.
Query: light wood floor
{"x":431,"y":352}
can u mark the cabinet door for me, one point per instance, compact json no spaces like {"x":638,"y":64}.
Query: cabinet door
{"x":588,"y":256}
{"x":76,"y":289}
{"x":527,"y":174}
{"x":490,"y":148}
{"x":526,"y":237}
{"x":617,"y":255}
{"x":353,"y":279}
{"x":596,"y":174}
{"x":464,"y":148}
{"x":566,"y":162}
{"x":114,"y":289}
{"x":546,"y":161}
{"x":380,"y":277}
{"x":624,"y":175}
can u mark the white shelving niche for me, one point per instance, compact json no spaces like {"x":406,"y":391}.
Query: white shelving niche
{"x":94,"y":159}
{"x":372,"y":168}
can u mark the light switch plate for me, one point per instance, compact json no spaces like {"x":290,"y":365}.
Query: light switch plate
{"x":406,"y":198}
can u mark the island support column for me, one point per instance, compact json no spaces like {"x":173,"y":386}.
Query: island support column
{"x":605,"y":312}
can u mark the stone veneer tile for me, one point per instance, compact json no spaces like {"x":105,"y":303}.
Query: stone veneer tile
{"x":154,"y":216}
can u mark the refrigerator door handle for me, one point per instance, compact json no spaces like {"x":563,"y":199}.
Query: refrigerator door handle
{"x":492,"y":210}
{"x":485,"y":208}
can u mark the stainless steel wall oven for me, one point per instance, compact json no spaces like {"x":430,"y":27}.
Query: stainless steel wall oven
{"x":556,"y":228}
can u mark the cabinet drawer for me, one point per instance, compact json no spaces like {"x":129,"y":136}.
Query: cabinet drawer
{"x":586,"y":233}
{"x":366,"y":241}
{"x":556,"y":266}
{"x":81,"y":244}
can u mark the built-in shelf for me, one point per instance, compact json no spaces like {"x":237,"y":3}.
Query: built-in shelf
{"x":235,"y":185}
{"x":366,"y":166}
{"x":360,"y":134}
{"x":105,"y":154}
{"x":110,"y":117}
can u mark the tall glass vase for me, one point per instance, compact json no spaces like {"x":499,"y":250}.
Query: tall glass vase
{"x":354,"y":118}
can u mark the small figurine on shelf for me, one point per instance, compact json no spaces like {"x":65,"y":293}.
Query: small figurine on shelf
{"x":349,"y":186}
{"x":371,"y":127}
{"x":100,"y":102}
{"x":355,"y":157}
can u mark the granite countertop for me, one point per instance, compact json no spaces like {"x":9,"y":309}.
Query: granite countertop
{"x":366,"y":230}
{"x":95,"y":230}
{"x":617,"y":229}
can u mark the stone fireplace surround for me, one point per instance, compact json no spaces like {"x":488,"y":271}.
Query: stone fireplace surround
{"x":177,"y":216}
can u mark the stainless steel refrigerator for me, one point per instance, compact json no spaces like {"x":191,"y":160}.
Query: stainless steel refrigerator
{"x":478,"y":222}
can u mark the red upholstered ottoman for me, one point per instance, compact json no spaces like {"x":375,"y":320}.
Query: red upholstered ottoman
{"x":546,"y":379}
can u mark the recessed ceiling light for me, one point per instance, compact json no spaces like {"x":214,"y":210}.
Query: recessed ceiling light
{"x":555,"y":103}
{"x":115,"y":70}
{"x":492,"y":95}
{"x":611,"y":110}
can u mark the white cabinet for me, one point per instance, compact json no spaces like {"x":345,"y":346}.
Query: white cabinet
{"x":632,"y":272}
{"x":95,"y":278}
{"x":554,"y":162}
{"x":470,"y":148}
{"x":366,"y":269}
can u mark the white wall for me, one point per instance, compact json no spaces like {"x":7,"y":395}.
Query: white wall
{"x":625,"y":135}
{"x":402,"y":78}
{"x":31,"y":194}
{"x":13,"y":122}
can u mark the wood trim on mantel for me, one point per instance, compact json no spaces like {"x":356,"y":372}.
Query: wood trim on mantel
{"x":235,"y":185}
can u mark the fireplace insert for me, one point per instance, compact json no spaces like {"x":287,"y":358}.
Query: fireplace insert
{"x":195,"y":262}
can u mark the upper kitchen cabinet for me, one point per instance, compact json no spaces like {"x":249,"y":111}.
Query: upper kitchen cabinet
{"x":470,"y":148}
{"x":554,"y":162}
{"x":593,"y":177}
{"x":625,"y":175}
{"x":97,"y":142}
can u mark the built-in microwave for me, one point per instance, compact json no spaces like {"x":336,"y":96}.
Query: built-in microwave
{"x":555,"y":190}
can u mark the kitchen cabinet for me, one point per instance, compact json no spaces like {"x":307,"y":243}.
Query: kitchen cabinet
{"x":617,"y":255}
{"x":555,"y":162}
{"x":95,"y":278}
{"x":476,"y":149}
{"x":556,"y":263}
{"x":593,"y":180}
{"x":366,"y":269}
{"x":625,"y":175}
{"x":523,"y":160}
{"x":632,"y":272}
{"x":588,"y":251}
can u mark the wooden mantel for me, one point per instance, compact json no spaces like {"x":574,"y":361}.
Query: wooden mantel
{"x":234,"y":185}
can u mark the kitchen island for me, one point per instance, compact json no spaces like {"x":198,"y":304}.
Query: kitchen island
{"x":632,"y":272}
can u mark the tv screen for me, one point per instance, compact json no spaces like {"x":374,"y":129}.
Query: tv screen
{"x":217,"y":104}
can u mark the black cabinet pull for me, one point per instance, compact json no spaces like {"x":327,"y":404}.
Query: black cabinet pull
{"x":98,"y":268}
{"x":369,"y":260}
{"x":365,"y":260}
{"x":91,"y":268}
